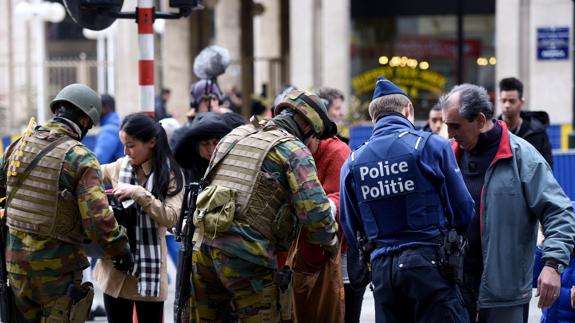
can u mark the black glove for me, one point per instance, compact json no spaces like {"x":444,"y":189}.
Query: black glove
{"x":331,"y":248}
{"x":124,"y":262}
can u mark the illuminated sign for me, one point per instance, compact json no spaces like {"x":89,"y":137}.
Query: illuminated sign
{"x":411,"y":80}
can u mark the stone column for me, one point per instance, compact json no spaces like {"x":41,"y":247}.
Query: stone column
{"x":550,"y":85}
{"x":177,"y":66}
{"x":126,"y":63}
{"x":547,"y":83}
{"x":320,"y":42}
{"x":228,"y":33}
{"x":336,"y":25}
{"x":507,"y":40}
{"x":267,"y":48}
{"x":302,"y":44}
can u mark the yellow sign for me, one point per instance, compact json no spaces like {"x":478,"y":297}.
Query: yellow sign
{"x":409,"y":79}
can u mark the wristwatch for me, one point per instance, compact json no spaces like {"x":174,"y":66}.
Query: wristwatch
{"x":559,"y":267}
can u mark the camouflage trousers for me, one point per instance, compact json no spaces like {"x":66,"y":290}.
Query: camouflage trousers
{"x":228,"y":288}
{"x":42,"y":299}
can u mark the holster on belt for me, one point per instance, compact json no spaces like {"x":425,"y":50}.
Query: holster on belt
{"x":453,"y":253}
{"x":284,"y":282}
{"x":82,"y":298}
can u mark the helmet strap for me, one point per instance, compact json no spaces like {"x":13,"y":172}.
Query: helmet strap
{"x":327,"y":123}
{"x":75,"y":124}
{"x":84,"y":131}
{"x":286,"y":120}
{"x":307,"y":135}
{"x":74,"y":115}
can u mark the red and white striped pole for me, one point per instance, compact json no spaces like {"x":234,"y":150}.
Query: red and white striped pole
{"x":146,"y":49}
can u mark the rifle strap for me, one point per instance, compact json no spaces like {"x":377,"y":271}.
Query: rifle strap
{"x":214,"y":163}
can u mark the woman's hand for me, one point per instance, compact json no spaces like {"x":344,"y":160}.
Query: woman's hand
{"x":124,"y":191}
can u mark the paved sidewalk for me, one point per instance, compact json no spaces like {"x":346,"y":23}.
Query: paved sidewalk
{"x":367,"y":313}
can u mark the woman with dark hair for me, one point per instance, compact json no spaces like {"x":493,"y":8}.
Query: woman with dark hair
{"x":149,"y":181}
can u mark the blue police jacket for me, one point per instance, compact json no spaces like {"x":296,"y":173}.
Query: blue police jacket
{"x":403,"y":187}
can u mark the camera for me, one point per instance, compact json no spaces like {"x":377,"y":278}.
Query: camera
{"x":126,"y":217}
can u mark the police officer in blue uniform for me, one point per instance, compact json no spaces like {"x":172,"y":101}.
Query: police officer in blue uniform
{"x":404,"y":190}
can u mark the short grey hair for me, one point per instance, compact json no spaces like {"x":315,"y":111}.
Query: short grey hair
{"x":473,"y":100}
{"x":329,"y":94}
{"x":387,"y":103}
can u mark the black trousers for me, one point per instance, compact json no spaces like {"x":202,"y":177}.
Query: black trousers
{"x":120,"y":310}
{"x":409,"y":287}
{"x":353,"y":301}
{"x":508,"y":314}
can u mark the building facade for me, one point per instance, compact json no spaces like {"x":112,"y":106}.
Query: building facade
{"x":426,"y":47}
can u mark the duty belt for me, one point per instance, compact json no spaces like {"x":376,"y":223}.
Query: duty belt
{"x":391,"y":249}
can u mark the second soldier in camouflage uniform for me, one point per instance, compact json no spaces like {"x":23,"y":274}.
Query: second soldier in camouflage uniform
{"x":266,"y":169}
{"x":55,"y":208}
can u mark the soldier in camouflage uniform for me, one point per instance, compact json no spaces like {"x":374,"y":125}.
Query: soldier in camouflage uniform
{"x":271,"y":176}
{"x":55,"y":208}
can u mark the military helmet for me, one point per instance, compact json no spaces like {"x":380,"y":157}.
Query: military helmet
{"x":312,"y":109}
{"x":82,"y":97}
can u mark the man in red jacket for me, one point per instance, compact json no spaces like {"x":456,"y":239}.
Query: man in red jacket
{"x":317,"y":282}
{"x":318,"y":287}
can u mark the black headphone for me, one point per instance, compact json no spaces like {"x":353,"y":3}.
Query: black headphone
{"x":211,"y":85}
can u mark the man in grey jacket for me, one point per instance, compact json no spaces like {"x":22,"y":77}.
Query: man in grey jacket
{"x":514,"y":189}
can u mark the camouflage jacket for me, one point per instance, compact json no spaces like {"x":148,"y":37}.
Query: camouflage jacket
{"x":31,"y":254}
{"x":293,"y":164}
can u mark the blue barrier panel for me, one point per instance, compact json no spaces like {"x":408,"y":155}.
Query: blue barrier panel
{"x":554,"y":133}
{"x":358,"y":135}
{"x":4,"y":143}
{"x":563,"y":165}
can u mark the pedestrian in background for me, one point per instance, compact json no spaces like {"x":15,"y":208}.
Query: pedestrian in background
{"x":529,"y":125}
{"x":194,"y":150}
{"x":261,"y":177}
{"x":55,"y":202}
{"x":561,"y":310}
{"x":108,"y":146}
{"x":403,"y":190}
{"x":513,"y":188}
{"x":161,"y":104}
{"x":151,"y":181}
{"x":434,"y":120}
{"x":204,"y":96}
{"x":335,"y":100}
{"x":170,"y":125}
{"x":353,"y":296}
{"x":317,"y":282}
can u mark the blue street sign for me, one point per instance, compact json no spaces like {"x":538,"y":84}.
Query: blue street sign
{"x":553,"y":43}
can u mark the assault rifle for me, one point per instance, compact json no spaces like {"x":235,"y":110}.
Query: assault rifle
{"x":5,"y":292}
{"x":184,"y":287}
